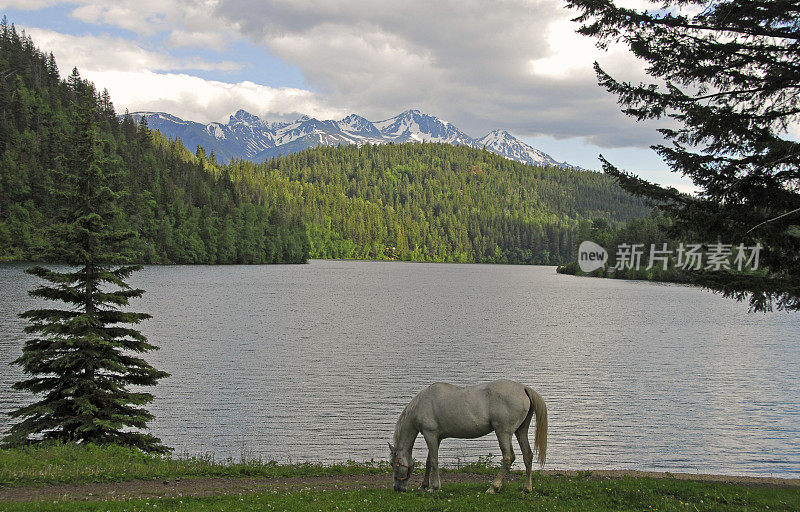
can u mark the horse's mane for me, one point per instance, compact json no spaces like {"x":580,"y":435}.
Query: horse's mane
{"x":406,"y":412}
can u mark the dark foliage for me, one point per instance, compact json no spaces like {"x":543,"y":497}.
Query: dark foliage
{"x":728,"y":77}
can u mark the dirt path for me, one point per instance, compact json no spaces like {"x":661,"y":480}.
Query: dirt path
{"x":213,"y":486}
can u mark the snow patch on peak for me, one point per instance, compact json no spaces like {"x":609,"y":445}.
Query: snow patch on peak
{"x":504,"y":144}
{"x":245,"y":118}
{"x":357,"y":125}
{"x":150,"y":116}
{"x":497,"y":137}
{"x":217,"y":131}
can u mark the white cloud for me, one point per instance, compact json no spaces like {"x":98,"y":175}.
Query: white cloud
{"x":197,"y":39}
{"x":28,"y":5}
{"x":187,"y":22}
{"x":137,"y":80}
{"x":113,"y":53}
{"x":197,"y":99}
{"x":373,"y":71}
{"x":571,"y":55}
{"x":140,"y":16}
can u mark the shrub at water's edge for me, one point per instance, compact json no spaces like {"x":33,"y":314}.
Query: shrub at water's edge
{"x":646,"y":231}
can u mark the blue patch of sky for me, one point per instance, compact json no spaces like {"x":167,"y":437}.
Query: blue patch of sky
{"x":258,"y":65}
{"x":643,"y":162}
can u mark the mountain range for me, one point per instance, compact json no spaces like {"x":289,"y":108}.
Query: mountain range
{"x":249,"y":137}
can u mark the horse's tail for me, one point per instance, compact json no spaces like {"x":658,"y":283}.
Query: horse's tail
{"x":540,"y":409}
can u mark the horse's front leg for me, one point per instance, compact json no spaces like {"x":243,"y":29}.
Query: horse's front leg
{"x":426,"y":482}
{"x":432,"y":466}
{"x":507,"y":450}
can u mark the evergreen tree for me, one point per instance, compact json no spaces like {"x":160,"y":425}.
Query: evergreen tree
{"x":730,"y":75}
{"x":82,"y":359}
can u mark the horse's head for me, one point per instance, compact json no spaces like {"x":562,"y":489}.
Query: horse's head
{"x":403,"y":465}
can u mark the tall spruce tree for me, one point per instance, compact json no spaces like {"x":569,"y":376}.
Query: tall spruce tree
{"x":83,"y":359}
{"x":728,"y":76}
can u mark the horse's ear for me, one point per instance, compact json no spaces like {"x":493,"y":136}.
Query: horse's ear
{"x":391,"y":448}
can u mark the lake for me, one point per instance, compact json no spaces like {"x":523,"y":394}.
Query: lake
{"x":315,"y":362}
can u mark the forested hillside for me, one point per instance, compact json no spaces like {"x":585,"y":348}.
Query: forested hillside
{"x":438,"y":202}
{"x":184,"y":208}
{"x":421,"y":202}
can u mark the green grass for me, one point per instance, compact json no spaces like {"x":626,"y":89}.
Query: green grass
{"x":67,"y":463}
{"x":550,"y":494}
{"x":72,"y":464}
{"x":58,"y":463}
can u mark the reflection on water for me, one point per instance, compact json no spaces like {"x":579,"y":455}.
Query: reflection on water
{"x":315,"y":362}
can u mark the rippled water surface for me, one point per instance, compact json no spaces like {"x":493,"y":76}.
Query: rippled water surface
{"x":315,"y":362}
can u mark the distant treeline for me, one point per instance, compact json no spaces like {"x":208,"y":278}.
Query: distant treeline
{"x":420,"y":202}
{"x":645,"y":231}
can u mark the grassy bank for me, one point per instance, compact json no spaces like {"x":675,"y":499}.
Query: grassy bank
{"x":59,"y":464}
{"x":550,"y":495}
{"x":356,"y":487}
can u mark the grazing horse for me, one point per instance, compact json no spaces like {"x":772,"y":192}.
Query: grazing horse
{"x":443,"y":410}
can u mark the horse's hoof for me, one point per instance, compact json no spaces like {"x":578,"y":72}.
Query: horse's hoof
{"x":491,"y":490}
{"x":526,"y":491}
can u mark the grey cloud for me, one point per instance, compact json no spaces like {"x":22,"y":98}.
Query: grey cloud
{"x":465,"y":61}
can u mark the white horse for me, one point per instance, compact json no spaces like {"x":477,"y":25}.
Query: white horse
{"x":443,"y":410}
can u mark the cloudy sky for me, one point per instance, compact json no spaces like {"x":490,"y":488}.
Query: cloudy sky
{"x":513,"y":64}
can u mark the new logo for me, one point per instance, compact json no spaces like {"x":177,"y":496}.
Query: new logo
{"x":591,"y":256}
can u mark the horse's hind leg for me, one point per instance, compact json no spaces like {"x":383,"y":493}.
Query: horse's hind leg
{"x":527,"y":456}
{"x":504,"y":438}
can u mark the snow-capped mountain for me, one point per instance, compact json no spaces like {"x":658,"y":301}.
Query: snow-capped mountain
{"x":250,"y":137}
{"x":414,"y":126}
{"x":503,"y":143}
{"x":356,"y":126}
